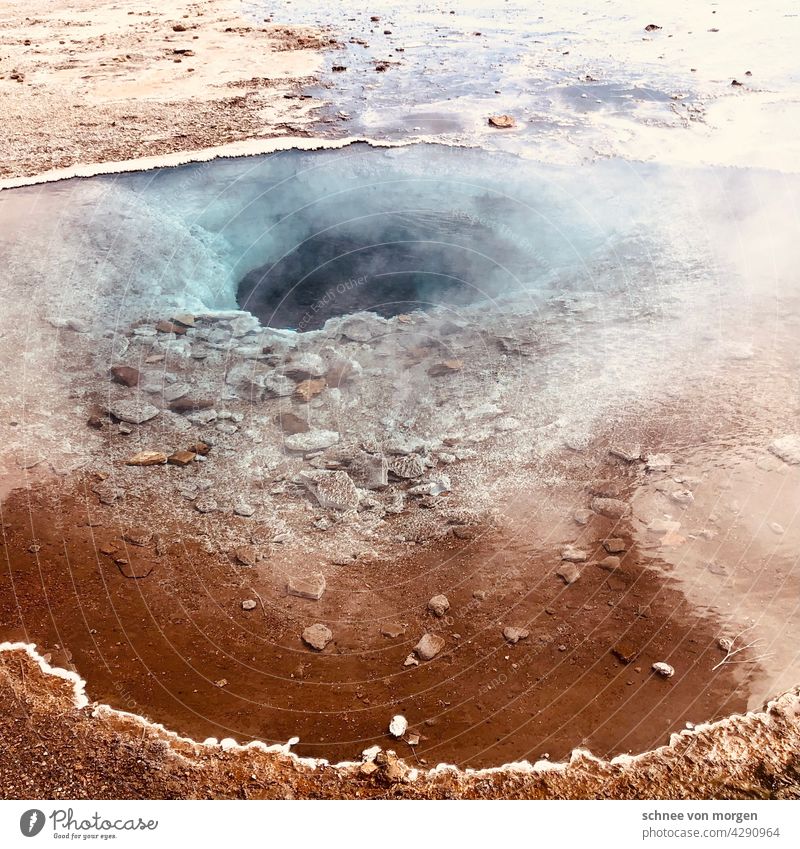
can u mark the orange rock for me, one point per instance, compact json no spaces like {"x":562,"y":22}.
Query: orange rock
{"x":308,"y":389}
{"x":147,"y":458}
{"x":181,"y":458}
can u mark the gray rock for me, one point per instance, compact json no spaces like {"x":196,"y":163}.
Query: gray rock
{"x":787,"y":448}
{"x":409,"y":466}
{"x":574,"y":554}
{"x":314,"y":440}
{"x":582,"y":517}
{"x":305,"y":366}
{"x":333,"y":490}
{"x":243,"y":509}
{"x":611,"y":508}
{"x":133,"y":411}
{"x":439,"y":605}
{"x":514,"y":635}
{"x":249,"y":604}
{"x":317,"y":636}
{"x":370,"y":471}
{"x":658,"y":462}
{"x":177,"y":390}
{"x":278,"y":386}
{"x":629,"y":452}
{"x":206,"y":505}
{"x":568,"y":572}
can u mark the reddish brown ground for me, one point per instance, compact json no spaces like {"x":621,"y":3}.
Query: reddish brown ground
{"x":156,"y":646}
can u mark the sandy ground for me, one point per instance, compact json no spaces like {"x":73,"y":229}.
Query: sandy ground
{"x":84,"y":80}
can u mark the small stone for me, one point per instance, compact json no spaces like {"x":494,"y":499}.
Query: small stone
{"x":514,"y":635}
{"x":333,"y":490}
{"x":191,"y":405}
{"x":626,"y":652}
{"x":206,"y":505}
{"x":614,"y":545}
{"x":398,"y":726}
{"x":429,"y":646}
{"x":776,"y":528}
{"x":308,"y":389}
{"x":305,"y":366}
{"x":663,"y":669}
{"x":568,"y":572}
{"x":787,"y":448}
{"x":311,"y":586}
{"x":393,"y":630}
{"x":126,"y":375}
{"x":609,"y":563}
{"x":95,"y":422}
{"x":501,"y":122}
{"x":147,"y":458}
{"x":243,"y":509}
{"x":165,"y":326}
{"x":313,"y":440}
{"x":317,"y":636}
{"x":369,"y":767}
{"x":658,"y":462}
{"x":138,"y":536}
{"x":480,"y":595}
{"x":125,"y":429}
{"x":446,"y":367}
{"x":246,"y":555}
{"x":411,"y":661}
{"x":175,"y":391}
{"x":439,"y":605}
{"x":574,"y":554}
{"x":408,"y":466}
{"x":249,"y":604}
{"x":611,"y":508}
{"x":201,"y":448}
{"x":663,"y":526}
{"x":134,"y":412}
{"x":682,"y":496}
{"x":291,"y":424}
{"x":181,"y":458}
{"x":582,"y":517}
{"x":627,"y":452}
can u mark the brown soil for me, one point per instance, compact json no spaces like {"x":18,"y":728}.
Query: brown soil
{"x":176,"y":646}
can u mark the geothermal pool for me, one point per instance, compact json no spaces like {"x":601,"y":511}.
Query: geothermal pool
{"x":552,"y":395}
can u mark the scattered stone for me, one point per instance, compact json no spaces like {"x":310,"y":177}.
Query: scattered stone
{"x":278,"y":386}
{"x":291,"y":424}
{"x":716,"y":568}
{"x":663,"y":669}
{"x":398,"y":726}
{"x":404,"y":445}
{"x":429,"y":646}
{"x":582,"y":517}
{"x":311,"y":586}
{"x":191,"y":405}
{"x":435,"y":486}
{"x":95,"y":422}
{"x":308,"y":389}
{"x":411,"y":660}
{"x":201,"y":448}
{"x":370,"y":471}
{"x":125,"y":429}
{"x":317,"y":636}
{"x":568,"y":572}
{"x":393,"y":630}
{"x":134,"y":571}
{"x":249,"y":604}
{"x":627,"y":452}
{"x":241,"y":508}
{"x":147,"y":458}
{"x":227,"y":428}
{"x":514,"y":635}
{"x":609,"y":563}
{"x":501,"y":122}
{"x":206,"y":505}
{"x":165,"y":326}
{"x":313,"y":440}
{"x":247,"y":555}
{"x":176,"y":391}
{"x":626,"y":652}
{"x":787,"y":448}
{"x":184,"y":318}
{"x":134,"y":412}
{"x":408,"y":466}
{"x":181,"y":458}
{"x":775,"y":527}
{"x":611,"y":508}
{"x":480,"y":595}
{"x":651,"y":27}
{"x":370,"y":767}
{"x":126,"y":375}
{"x":658,"y":462}
{"x":614,"y":545}
{"x":574,"y":554}
{"x":138,"y":536}
{"x":333,"y":490}
{"x":439,"y":605}
{"x":682,"y":496}
{"x":663,"y":526}
{"x":446,"y":367}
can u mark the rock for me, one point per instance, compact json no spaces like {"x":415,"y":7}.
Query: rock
{"x":147,"y":458}
{"x":409,"y":466}
{"x":658,"y":462}
{"x":626,"y":652}
{"x":437,"y":485}
{"x":439,"y":605}
{"x":787,"y":448}
{"x":308,"y":389}
{"x":614,"y":545}
{"x":333,"y":490}
{"x":370,"y":471}
{"x":305,"y":366}
{"x":184,"y":318}
{"x":201,"y":448}
{"x":663,"y":669}
{"x":243,"y":509}
{"x":126,"y":375}
{"x":398,"y":726}
{"x":206,"y":505}
{"x":606,"y":489}
{"x":291,"y":424}
{"x":582,"y":517}
{"x":95,"y":422}
{"x":278,"y":386}
{"x":404,"y":445}
{"x":651,"y":27}
{"x":317,"y":636}
{"x":175,"y":391}
{"x":311,"y":586}
{"x":514,"y":635}
{"x":138,"y":536}
{"x":202,"y":417}
{"x":501,"y":122}
{"x":370,"y":767}
{"x":247,"y":555}
{"x":165,"y":326}
{"x":609,"y":563}
{"x":134,"y":412}
{"x":611,"y":508}
{"x":568,"y":572}
{"x":313,"y":440}
{"x":411,"y":661}
{"x":249,"y":604}
{"x":429,"y":646}
{"x":574,"y":554}
{"x":393,"y":630}
{"x":682,"y":496}
{"x":445,"y":367}
{"x":629,"y":452}
{"x":134,"y":571}
{"x":181,"y":458}
{"x":663,"y":526}
{"x":191,"y":405}
{"x":776,"y":528}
